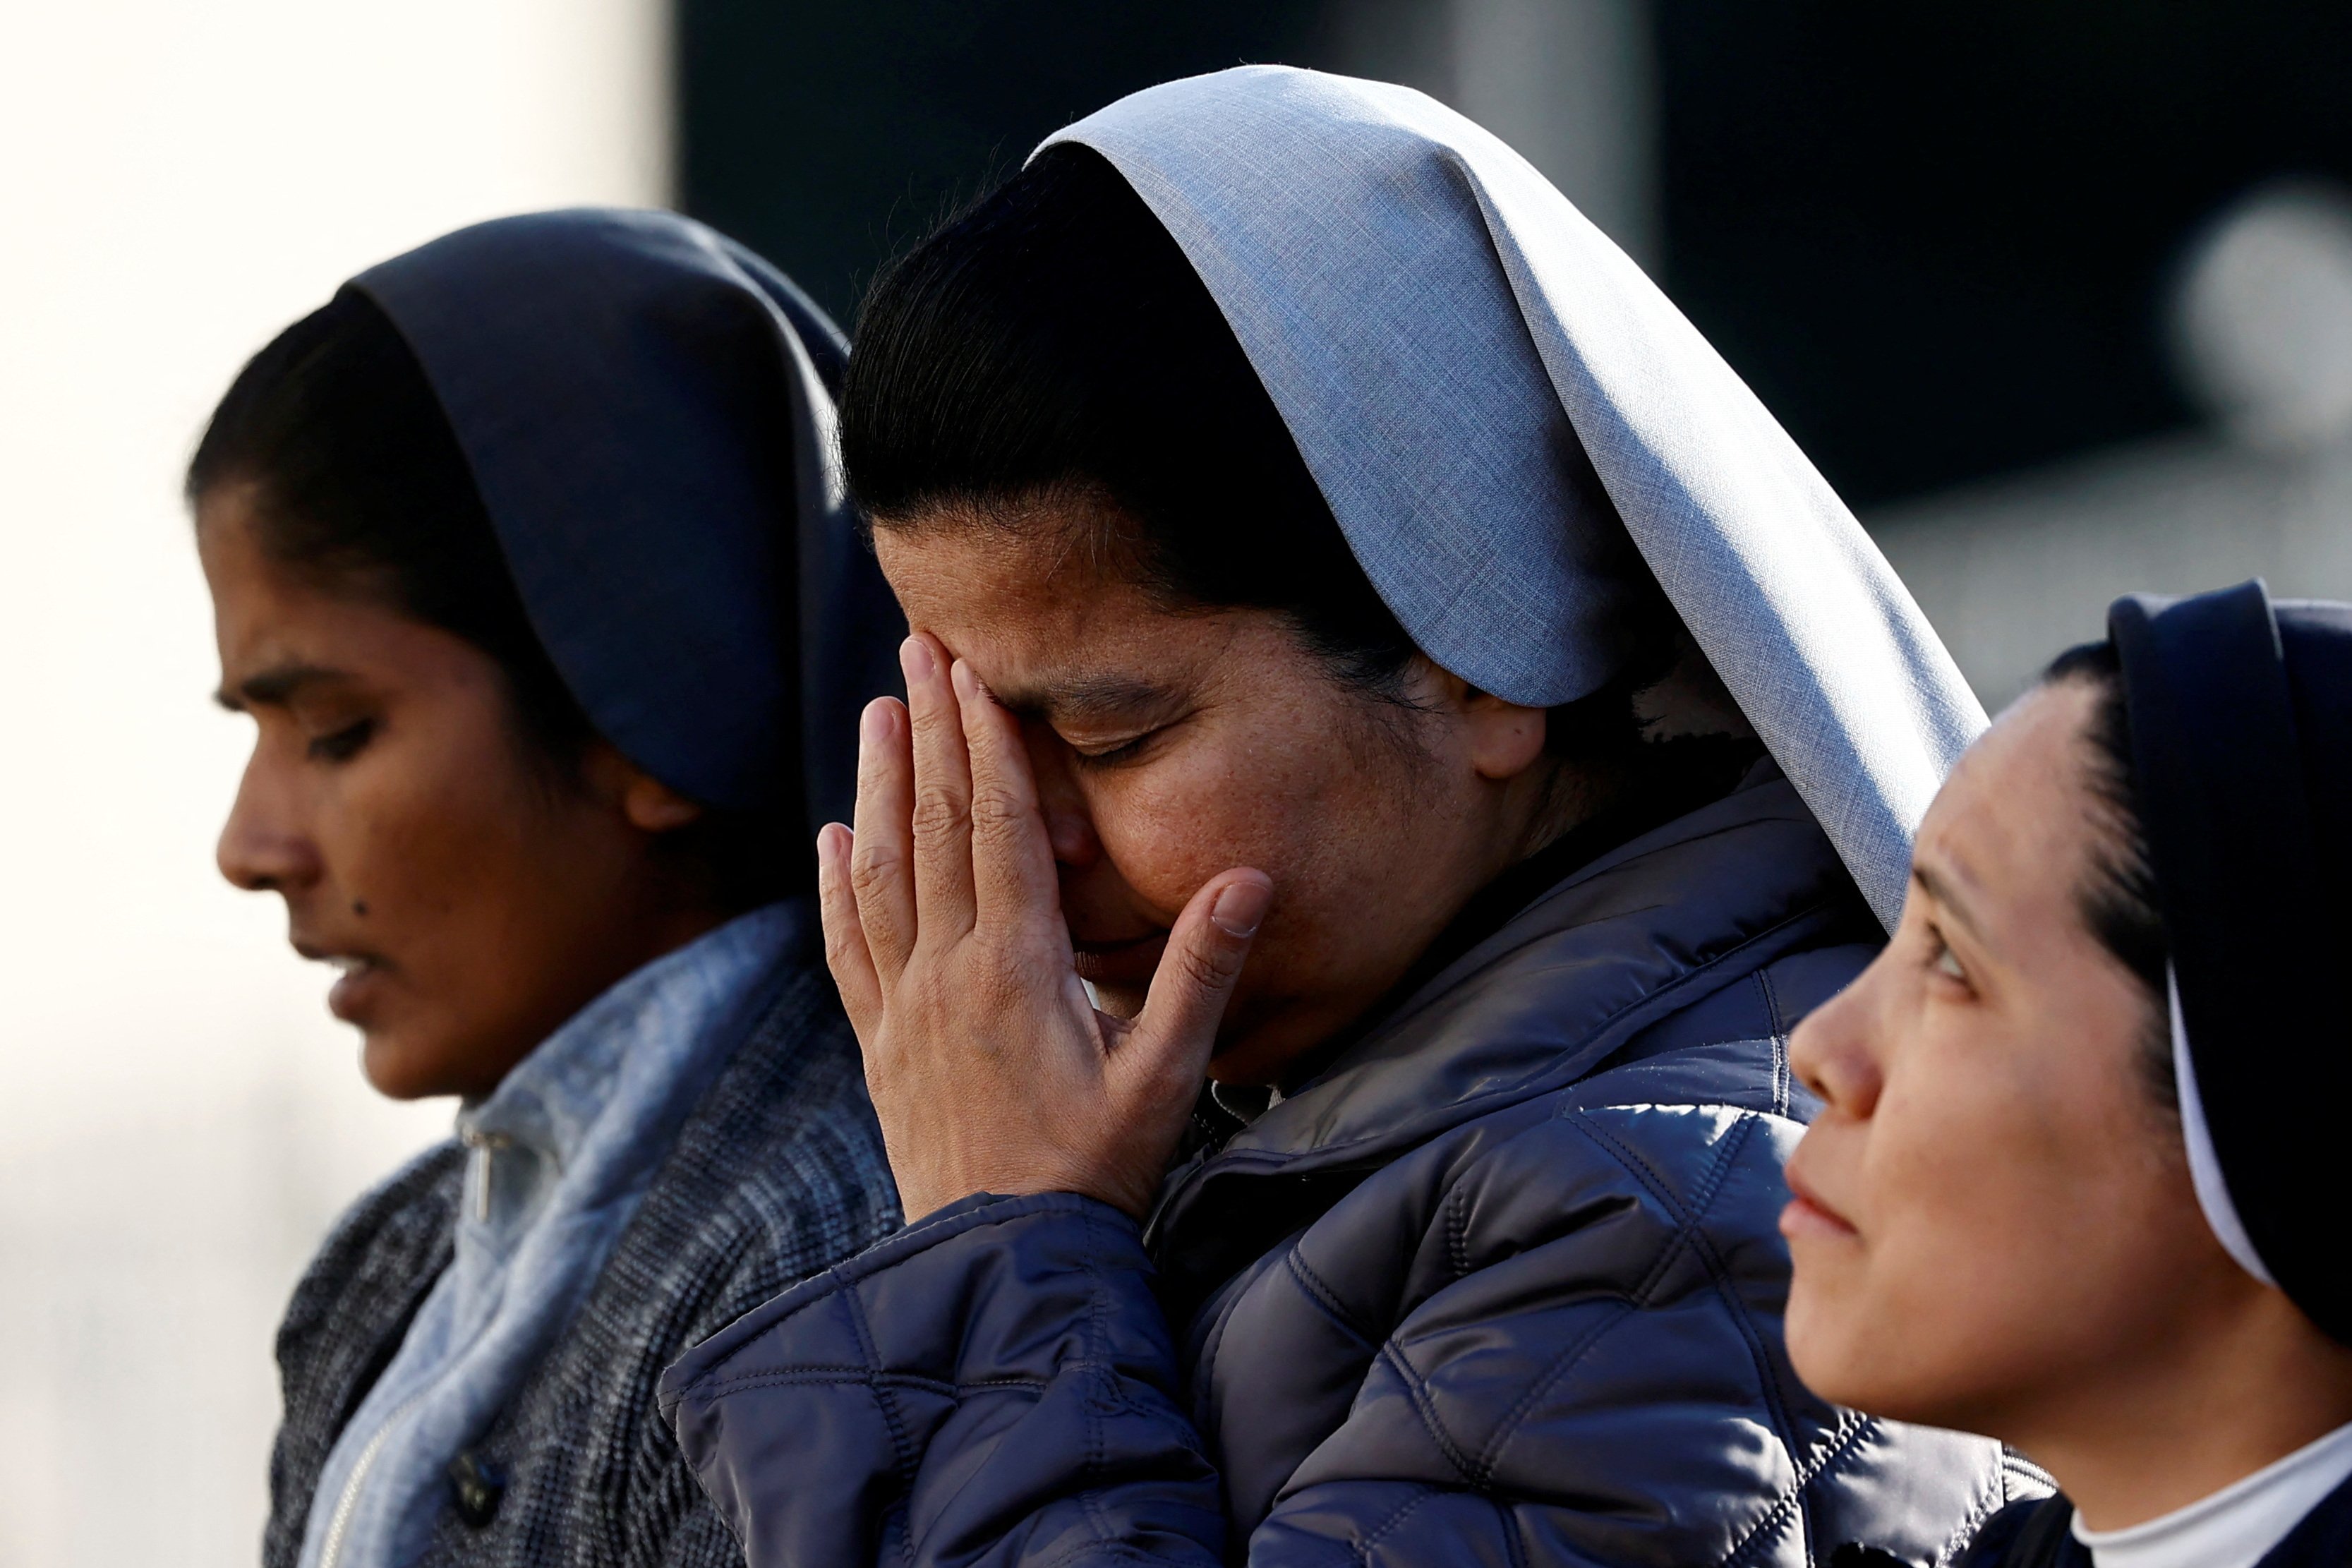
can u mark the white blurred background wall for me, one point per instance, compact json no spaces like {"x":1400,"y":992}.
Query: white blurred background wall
{"x":179,"y":1117}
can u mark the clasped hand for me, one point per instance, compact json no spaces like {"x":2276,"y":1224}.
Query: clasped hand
{"x":990,"y":1068}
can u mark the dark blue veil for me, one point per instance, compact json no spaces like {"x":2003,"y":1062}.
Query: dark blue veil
{"x":2241,"y":719}
{"x":648,"y":408}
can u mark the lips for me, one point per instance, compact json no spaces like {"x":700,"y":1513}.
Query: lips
{"x":1808,"y":1216}
{"x":358,"y":977}
{"x":1129,"y":961}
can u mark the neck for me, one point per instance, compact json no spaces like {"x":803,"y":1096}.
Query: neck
{"x":633,"y":943}
{"x":2205,"y":1409}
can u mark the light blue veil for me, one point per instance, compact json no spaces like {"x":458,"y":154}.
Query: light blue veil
{"x":1459,"y":354}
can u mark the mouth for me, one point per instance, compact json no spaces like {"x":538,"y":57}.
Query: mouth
{"x":1127,"y":960}
{"x":358,"y":976}
{"x":1807,"y":1216}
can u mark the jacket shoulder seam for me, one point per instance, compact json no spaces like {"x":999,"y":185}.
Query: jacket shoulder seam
{"x":1693,"y":1232}
{"x":1362,"y":1550}
{"x":1490,"y":1456}
{"x":901,"y":1444}
{"x":1851,"y":1426}
{"x":1417,"y":1390}
{"x":1320,"y":1294}
{"x":1686,"y":1221}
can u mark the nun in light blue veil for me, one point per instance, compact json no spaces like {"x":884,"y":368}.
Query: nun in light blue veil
{"x":1494,"y":1275}
{"x":1358,"y":235}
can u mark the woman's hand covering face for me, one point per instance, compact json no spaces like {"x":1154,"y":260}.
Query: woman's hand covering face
{"x":990,"y":1068}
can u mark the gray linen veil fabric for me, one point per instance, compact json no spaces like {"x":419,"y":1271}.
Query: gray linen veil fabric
{"x":1459,"y":354}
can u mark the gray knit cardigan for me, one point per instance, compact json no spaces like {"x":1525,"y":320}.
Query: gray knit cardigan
{"x":778,"y":1174}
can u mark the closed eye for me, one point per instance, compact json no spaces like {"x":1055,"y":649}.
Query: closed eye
{"x":341,"y":745}
{"x":1108,"y":757}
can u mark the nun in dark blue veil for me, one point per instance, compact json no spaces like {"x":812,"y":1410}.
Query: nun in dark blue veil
{"x":2079,"y":1138}
{"x":568,"y":482}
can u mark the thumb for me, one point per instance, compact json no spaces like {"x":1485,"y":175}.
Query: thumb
{"x":1168,"y":1049}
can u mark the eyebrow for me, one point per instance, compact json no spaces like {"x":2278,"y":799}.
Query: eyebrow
{"x":275,"y":686}
{"x":1086,"y":699}
{"x":1945,"y":895}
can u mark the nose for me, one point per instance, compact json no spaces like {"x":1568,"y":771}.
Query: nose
{"x":1069,"y":825}
{"x":262,"y":847}
{"x":1832,"y":1052}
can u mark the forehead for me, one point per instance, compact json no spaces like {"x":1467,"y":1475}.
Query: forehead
{"x":2014,"y":822}
{"x":1025,"y":604}
{"x":264,"y":615}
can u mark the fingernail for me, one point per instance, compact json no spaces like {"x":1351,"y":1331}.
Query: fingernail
{"x":967,"y":684}
{"x":1240,"y":908}
{"x":915,"y":658}
{"x":830,"y":841}
{"x":874,"y":725}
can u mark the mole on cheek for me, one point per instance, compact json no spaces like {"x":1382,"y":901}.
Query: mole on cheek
{"x":359,"y":906}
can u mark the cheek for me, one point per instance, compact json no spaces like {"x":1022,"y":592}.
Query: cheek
{"x":440,"y":835}
{"x":1166,"y":831}
{"x":1168,"y":827}
{"x":489,"y":912}
{"x":1948,"y":1179}
{"x":1998,"y":1200}
{"x":413,"y":838}
{"x":2008,"y":1167}
{"x":423,"y":854}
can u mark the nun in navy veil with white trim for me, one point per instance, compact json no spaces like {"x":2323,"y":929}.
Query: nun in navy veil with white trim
{"x":2079,"y":1179}
{"x":531,"y":564}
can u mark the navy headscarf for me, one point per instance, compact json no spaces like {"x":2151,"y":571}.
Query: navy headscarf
{"x":2241,"y":716}
{"x":647,"y":409}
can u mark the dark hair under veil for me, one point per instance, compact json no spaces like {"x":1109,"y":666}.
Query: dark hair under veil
{"x":1053,"y":338}
{"x":361,"y":487}
{"x":592,"y":444}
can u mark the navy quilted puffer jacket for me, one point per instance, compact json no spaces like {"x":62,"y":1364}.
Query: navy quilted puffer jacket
{"x":1503,"y":1286}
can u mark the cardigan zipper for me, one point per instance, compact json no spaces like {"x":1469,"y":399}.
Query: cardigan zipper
{"x":341,"y":1520}
{"x":483,"y":1148}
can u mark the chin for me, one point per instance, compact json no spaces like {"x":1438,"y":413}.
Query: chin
{"x":1824,"y":1352}
{"x":1125,"y":969}
{"x":397,"y":1070}
{"x":1249,"y":1052}
{"x":1118,"y":1000}
{"x":1875,"y":1373}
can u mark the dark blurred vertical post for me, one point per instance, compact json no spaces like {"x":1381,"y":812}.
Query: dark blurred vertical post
{"x":830,"y":133}
{"x":1572,"y":84}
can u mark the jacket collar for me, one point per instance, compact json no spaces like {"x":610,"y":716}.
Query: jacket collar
{"x":1642,"y":931}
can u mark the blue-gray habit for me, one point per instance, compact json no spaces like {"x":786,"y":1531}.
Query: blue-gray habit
{"x":1502,"y":1284}
{"x":646,"y":410}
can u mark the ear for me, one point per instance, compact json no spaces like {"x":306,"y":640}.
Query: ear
{"x":653,"y":807}
{"x":647,"y":803}
{"x":1502,"y":740}
{"x":1505,"y":740}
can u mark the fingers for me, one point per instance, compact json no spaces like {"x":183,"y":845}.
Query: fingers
{"x":941,"y":815}
{"x":1168,"y":1052}
{"x":845,"y":953}
{"x":881,"y":856}
{"x":1014,"y":883}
